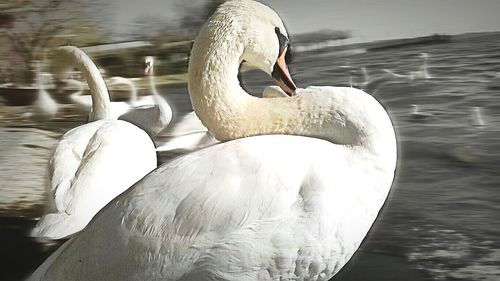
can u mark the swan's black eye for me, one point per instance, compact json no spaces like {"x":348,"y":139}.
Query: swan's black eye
{"x":282,"y":40}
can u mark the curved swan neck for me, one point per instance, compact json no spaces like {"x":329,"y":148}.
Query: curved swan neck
{"x":152,"y":84}
{"x":98,"y":90}
{"x":127,"y":82}
{"x":214,"y":89}
{"x":162,"y":103}
{"x":38,"y":70}
{"x":133,"y":91}
{"x":344,"y":116}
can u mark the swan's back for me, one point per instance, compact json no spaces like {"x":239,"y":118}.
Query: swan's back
{"x":244,"y":212}
{"x":91,"y":165}
{"x":151,"y":118}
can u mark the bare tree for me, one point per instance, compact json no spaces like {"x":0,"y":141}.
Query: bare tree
{"x":37,"y":23}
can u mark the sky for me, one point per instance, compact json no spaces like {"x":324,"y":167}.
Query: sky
{"x":367,"y":19}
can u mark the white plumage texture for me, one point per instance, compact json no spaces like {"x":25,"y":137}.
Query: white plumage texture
{"x":244,"y":213}
{"x":289,"y":196}
{"x":91,"y":165}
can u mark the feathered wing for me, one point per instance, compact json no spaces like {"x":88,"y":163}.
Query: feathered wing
{"x":145,"y":117}
{"x":91,"y":166}
{"x":236,"y":211}
{"x":66,"y":160}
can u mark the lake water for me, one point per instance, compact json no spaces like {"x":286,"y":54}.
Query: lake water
{"x":441,"y":220}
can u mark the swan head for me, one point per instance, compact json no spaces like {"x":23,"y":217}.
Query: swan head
{"x":148,"y":65}
{"x":259,"y":35}
{"x":268,"y":44}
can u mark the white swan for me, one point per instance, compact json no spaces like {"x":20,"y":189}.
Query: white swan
{"x":272,"y":207}
{"x":92,"y":163}
{"x":188,"y":133}
{"x":151,"y":115}
{"x":477,"y":117}
{"x":369,"y":84}
{"x":44,"y":107}
{"x":417,"y":114}
{"x":421,"y":73}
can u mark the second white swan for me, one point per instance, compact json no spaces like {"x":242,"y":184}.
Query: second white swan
{"x":92,"y":163}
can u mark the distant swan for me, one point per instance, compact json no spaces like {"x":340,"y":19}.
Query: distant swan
{"x":289,"y":196}
{"x":477,"y":117}
{"x":417,"y":114}
{"x":92,"y":163}
{"x":153,"y":115}
{"x":422,"y":73}
{"x":44,"y":108}
{"x":369,"y":84}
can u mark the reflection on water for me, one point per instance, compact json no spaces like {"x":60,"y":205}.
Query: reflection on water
{"x":441,"y":219}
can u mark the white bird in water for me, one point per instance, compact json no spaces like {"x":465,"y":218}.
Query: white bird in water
{"x":421,"y":74}
{"x":369,"y":84}
{"x":417,"y":114}
{"x":44,"y":108}
{"x":92,"y":163}
{"x":290,"y":195}
{"x":477,"y":116}
{"x":152,"y":115}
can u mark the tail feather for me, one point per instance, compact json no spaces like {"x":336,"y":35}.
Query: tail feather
{"x":55,"y":226}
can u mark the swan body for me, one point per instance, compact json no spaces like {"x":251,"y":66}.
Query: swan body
{"x":261,"y":206}
{"x":44,"y":107}
{"x":92,"y":163}
{"x":152,"y":118}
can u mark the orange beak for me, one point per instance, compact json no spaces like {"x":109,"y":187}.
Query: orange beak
{"x":282,"y":75}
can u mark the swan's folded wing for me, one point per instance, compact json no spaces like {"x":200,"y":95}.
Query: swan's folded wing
{"x":115,"y":156}
{"x":66,"y":160}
